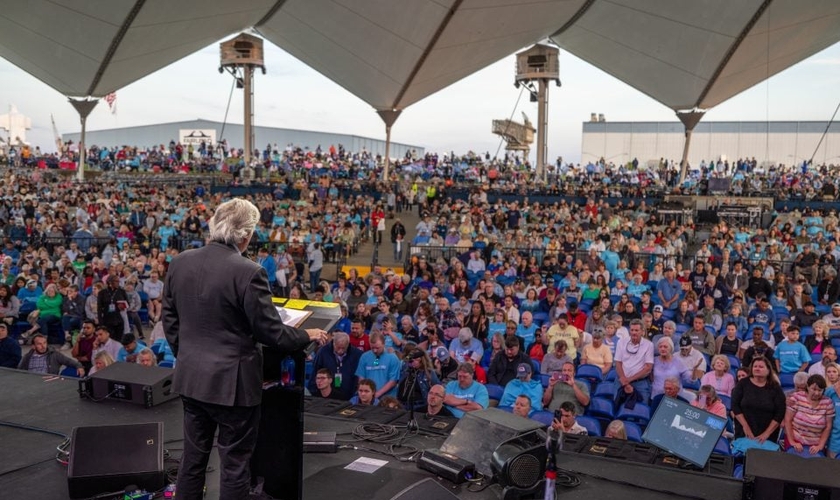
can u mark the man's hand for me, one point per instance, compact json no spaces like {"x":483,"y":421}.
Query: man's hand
{"x":80,"y":372}
{"x":317,"y":335}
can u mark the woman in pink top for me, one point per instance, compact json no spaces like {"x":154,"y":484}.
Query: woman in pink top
{"x":719,"y":377}
{"x":707,"y":399}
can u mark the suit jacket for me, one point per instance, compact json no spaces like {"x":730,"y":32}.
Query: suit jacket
{"x":216,"y":308}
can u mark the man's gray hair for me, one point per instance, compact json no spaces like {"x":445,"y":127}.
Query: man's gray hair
{"x":341,"y":338}
{"x":234,"y":221}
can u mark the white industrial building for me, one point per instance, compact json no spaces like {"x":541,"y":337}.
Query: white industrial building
{"x":777,"y":142}
{"x":187,"y":131}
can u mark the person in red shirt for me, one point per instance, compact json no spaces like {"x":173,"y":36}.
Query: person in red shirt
{"x":576,"y":317}
{"x":376,"y":216}
{"x":358,"y":338}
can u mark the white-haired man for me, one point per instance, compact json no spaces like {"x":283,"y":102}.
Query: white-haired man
{"x":216,"y":309}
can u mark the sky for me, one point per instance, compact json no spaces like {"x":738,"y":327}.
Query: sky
{"x":457,"y":118}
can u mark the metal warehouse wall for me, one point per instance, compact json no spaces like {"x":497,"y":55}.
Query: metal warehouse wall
{"x":778,"y":142}
{"x":149,"y":135}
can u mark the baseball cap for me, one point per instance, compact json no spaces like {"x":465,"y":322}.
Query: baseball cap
{"x":685,"y":341}
{"x":836,"y":304}
{"x":442,"y":354}
{"x":414,"y":354}
{"x":657,"y":309}
{"x":465,"y":335}
{"x":523,"y":370}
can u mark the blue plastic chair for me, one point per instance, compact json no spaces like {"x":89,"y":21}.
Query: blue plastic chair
{"x":543,"y":417}
{"x":166,"y":364}
{"x":734,"y":362}
{"x":611,"y":376}
{"x":722,"y":447}
{"x":639,"y":414}
{"x":601,"y":409}
{"x":592,"y":426}
{"x":591,"y":373}
{"x":726,"y":400}
{"x":786,"y":380}
{"x":634,"y":432}
{"x":69,"y":371}
{"x":605,"y":390}
{"x":494,"y":391}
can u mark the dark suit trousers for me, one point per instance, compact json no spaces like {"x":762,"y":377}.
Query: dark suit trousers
{"x":238,"y":426}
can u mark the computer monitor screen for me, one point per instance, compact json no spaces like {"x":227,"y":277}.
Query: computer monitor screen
{"x":684,"y":430}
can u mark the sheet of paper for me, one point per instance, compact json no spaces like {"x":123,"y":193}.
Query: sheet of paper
{"x":366,"y":464}
{"x":293,"y":317}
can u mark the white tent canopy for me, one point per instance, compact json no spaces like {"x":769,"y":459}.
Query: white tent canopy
{"x":392,"y":53}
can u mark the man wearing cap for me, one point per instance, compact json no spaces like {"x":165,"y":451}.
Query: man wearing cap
{"x":380,"y":366}
{"x":503,"y":367}
{"x":634,"y":362}
{"x":131,"y":347}
{"x":445,"y":366}
{"x":465,"y":343}
{"x":806,"y":316}
{"x":341,"y":359}
{"x":562,"y":330}
{"x":465,"y":394}
{"x":657,"y":321}
{"x":563,"y":388}
{"x":668,"y":290}
{"x":832,"y":319}
{"x":691,"y":358}
{"x":523,"y":385}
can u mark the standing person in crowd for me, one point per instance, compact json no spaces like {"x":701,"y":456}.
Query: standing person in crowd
{"x":316,"y":263}
{"x":398,"y":239}
{"x":111,"y":301}
{"x":634,"y":363}
{"x":380,"y":366}
{"x":216,"y":308}
{"x":758,"y":403}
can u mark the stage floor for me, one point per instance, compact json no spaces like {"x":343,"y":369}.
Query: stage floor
{"x":28,"y":468}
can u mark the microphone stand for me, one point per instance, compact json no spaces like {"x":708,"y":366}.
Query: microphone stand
{"x":411,"y":426}
{"x":551,"y":465}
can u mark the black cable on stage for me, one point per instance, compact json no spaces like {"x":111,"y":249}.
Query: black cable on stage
{"x":103,"y":398}
{"x":32,"y":428}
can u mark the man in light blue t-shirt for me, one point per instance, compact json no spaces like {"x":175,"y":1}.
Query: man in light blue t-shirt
{"x":380,"y":366}
{"x":791,"y":355}
{"x":465,"y":394}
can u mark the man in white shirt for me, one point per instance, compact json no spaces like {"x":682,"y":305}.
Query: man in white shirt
{"x":476,"y":263}
{"x":104,"y":342}
{"x":634,"y":362}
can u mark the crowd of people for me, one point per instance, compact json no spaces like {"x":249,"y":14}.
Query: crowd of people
{"x":547,"y":310}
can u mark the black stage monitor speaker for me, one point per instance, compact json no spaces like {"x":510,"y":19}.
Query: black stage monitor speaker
{"x":322,"y":406}
{"x":131,"y":382}
{"x":427,"y":489}
{"x":368,"y":413}
{"x":479,"y":433}
{"x":108,"y":458}
{"x":770,"y":475}
{"x":519,"y":464}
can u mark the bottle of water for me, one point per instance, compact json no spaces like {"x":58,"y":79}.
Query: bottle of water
{"x":287,"y":372}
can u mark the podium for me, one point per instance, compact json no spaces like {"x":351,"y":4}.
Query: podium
{"x":278,"y":456}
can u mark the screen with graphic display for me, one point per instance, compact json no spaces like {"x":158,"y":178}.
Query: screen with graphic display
{"x":684,"y":430}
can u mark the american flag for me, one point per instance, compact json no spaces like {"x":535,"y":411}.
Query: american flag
{"x":111,"y":99}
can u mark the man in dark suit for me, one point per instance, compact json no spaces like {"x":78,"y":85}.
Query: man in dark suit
{"x":111,"y":301}
{"x":216,"y":309}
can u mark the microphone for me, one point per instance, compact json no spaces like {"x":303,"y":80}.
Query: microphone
{"x":553,"y":439}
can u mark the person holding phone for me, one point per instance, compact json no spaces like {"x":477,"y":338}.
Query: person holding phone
{"x":562,"y":387}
